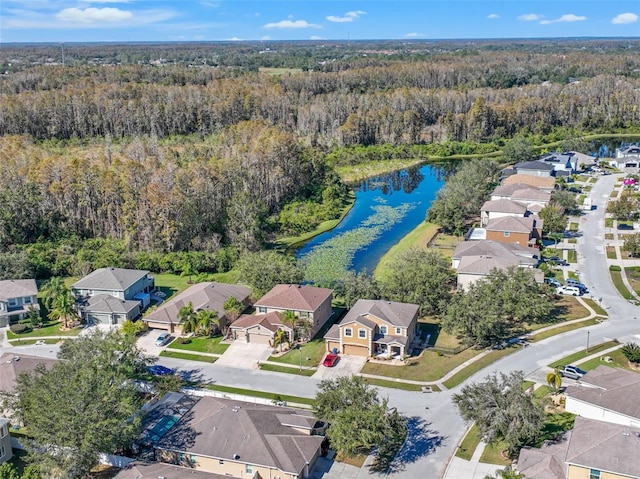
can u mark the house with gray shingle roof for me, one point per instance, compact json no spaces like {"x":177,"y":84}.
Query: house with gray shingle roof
{"x":208,"y":296}
{"x":17,"y":297}
{"x":13,"y":364}
{"x":500,"y":208}
{"x":233,"y":438}
{"x":260,"y":328}
{"x":306,"y":302}
{"x":107,"y":309}
{"x":375,"y":328}
{"x":534,"y":168}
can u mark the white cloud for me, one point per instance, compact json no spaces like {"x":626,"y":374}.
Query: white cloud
{"x":348,"y":17}
{"x":564,"y":19}
{"x":210,"y":4}
{"x":315,"y":37}
{"x":493,"y":16}
{"x":235,"y":39}
{"x":291,"y":24}
{"x":266,"y":37}
{"x":106,"y":1}
{"x":91,"y":14}
{"x":415,"y":35}
{"x":530,"y":17}
{"x":625,"y":19}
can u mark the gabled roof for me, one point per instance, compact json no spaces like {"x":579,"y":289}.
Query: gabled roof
{"x":508,"y":190}
{"x":154,"y":470}
{"x":616,"y":390}
{"x":12,"y":365}
{"x":533,"y":166}
{"x":396,"y":314}
{"x":529,"y":193}
{"x":359,"y":320}
{"x":537,"y":181}
{"x":483,"y":265}
{"x":295,"y":297}
{"x":494,"y":248}
{"x":208,"y":295}
{"x":504,"y":206}
{"x":546,"y":462}
{"x":115,"y":279}
{"x":17,"y":288}
{"x":257,"y":434}
{"x":105,"y":303}
{"x":272,"y":321}
{"x":514,"y":224}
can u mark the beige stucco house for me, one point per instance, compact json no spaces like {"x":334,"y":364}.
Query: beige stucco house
{"x":260,"y":328}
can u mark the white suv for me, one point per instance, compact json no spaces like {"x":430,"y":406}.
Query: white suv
{"x":572,"y":290}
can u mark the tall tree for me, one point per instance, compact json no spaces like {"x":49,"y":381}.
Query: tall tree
{"x":355,"y":286}
{"x":554,"y":380}
{"x":501,"y":410}
{"x":207,"y":320}
{"x":188,"y":319}
{"x":519,"y":149}
{"x":265,"y":269}
{"x":63,"y":308}
{"x":554,"y":218}
{"x":52,"y":289}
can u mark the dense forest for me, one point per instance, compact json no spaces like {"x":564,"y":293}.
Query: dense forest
{"x":196,"y":147}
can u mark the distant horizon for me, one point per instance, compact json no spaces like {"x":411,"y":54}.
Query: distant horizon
{"x":127,"y":21}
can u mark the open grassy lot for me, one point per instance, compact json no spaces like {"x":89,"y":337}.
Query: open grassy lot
{"x":260,"y":394}
{"x":188,"y":356}
{"x":202,"y":345}
{"x":572,"y":358}
{"x":445,"y":244}
{"x":469,"y":443}
{"x":49,"y":328}
{"x":568,"y":308}
{"x":287,"y":370}
{"x":418,"y":238}
{"x":171,"y":284}
{"x":616,"y":277}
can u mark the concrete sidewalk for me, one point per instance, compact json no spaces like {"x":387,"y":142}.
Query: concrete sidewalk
{"x":473,"y":469}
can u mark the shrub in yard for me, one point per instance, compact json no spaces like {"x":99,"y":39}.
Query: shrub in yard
{"x":614,"y":267}
{"x":19,"y":328}
{"x":631,"y":351}
{"x":184,"y":340}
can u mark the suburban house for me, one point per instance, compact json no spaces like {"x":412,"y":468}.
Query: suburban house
{"x":527,"y":257}
{"x":17,"y":297}
{"x":260,"y":328}
{"x":607,"y":394}
{"x":306,"y":302}
{"x":11,"y":365}
{"x":567,"y":162}
{"x":534,"y":168}
{"x":472,"y":268}
{"x":533,"y":198}
{"x":128,"y":284}
{"x":511,"y":229}
{"x":107,"y":309}
{"x":154,"y":470}
{"x":500,"y":208}
{"x":6,"y":452}
{"x":203,"y":296}
{"x":375,"y":327}
{"x":591,"y":450}
{"x":546,"y":183}
{"x":631,"y":151}
{"x":231,"y":438}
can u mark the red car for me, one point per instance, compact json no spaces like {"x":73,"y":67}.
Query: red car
{"x":330,"y":360}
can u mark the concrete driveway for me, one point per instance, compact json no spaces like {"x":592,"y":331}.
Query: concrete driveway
{"x":147,"y":341}
{"x":346,"y":366}
{"x":244,"y":355}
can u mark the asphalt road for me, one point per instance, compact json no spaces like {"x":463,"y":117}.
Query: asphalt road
{"x":435,"y":426}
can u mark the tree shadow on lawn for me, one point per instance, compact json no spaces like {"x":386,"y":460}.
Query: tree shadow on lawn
{"x":420,"y":441}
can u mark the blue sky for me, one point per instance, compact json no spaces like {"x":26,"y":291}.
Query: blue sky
{"x":211,"y":20}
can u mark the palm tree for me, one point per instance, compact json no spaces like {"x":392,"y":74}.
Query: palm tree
{"x":187,"y":318}
{"x":54,"y":288}
{"x":289,"y":319}
{"x":279,"y":338}
{"x":63,"y":308}
{"x":206,"y":319}
{"x":554,"y":380}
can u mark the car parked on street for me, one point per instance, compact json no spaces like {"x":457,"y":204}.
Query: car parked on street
{"x":158,"y":370}
{"x":571,"y":372}
{"x":557,"y":260}
{"x":330,"y":360}
{"x":163,"y":339}
{"x":571,"y":290}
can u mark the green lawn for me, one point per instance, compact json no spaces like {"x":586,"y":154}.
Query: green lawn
{"x":573,"y":226}
{"x":568,"y":308}
{"x":608,"y":222}
{"x":572,"y":358}
{"x":260,"y":394}
{"x":287,"y":370}
{"x":171,"y":284}
{"x":572,"y":275}
{"x":476,"y":366}
{"x":562,"y":329}
{"x":469,"y":443}
{"x":492,"y":454}
{"x":611,"y":252}
{"x":542,"y":392}
{"x":617,"y":361}
{"x":616,"y":277}
{"x":595,"y":306}
{"x":609,"y":236}
{"x":188,"y":356}
{"x":572,"y":256}
{"x":633,"y":276}
{"x":202,"y":345}
{"x":393,"y":384}
{"x":50,"y":328}
{"x":26,"y":342}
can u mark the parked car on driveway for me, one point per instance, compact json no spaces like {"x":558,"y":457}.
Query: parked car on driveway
{"x":571,"y":372}
{"x":574,"y":282}
{"x":163,"y":339}
{"x":557,"y":260}
{"x":330,"y":360}
{"x":571,"y":290}
{"x":553,"y":282}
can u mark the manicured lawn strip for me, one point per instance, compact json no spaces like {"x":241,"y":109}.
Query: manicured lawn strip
{"x":417,"y":238}
{"x":572,"y":256}
{"x":202,"y":345}
{"x":392,"y":384}
{"x":572,"y":241}
{"x":616,"y":277}
{"x":562,"y":329}
{"x":572,"y":274}
{"x":476,"y":366}
{"x":428,"y":367}
{"x":287,"y":370}
{"x":360,"y":171}
{"x":188,"y":356}
{"x":611,"y":253}
{"x":527,"y":384}
{"x":469,"y":443}
{"x":51,"y":328}
{"x":609,"y":236}
{"x":617,"y":361}
{"x":572,"y":358}
{"x":27,"y":342}
{"x":595,"y":306}
{"x":568,"y":308}
{"x":492,"y":454}
{"x":439,"y":338}
{"x":573,"y":226}
{"x":608,"y":222}
{"x":260,"y":394}
{"x":542,"y":391}
{"x":633,"y":276}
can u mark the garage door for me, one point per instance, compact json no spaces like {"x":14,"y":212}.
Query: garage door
{"x":333,"y":344}
{"x":258,"y":338}
{"x":356,"y":350}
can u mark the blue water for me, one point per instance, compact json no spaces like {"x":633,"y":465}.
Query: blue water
{"x":414,"y":188}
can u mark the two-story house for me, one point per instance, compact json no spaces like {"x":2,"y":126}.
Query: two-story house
{"x":17,"y":297}
{"x":513,"y":229}
{"x":6,"y":452}
{"x":373,"y":328}
{"x":306,"y":302}
{"x":545,"y":183}
{"x":111,"y":295}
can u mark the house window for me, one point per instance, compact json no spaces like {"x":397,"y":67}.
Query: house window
{"x":26,"y":300}
{"x":13,"y":302}
{"x":248,"y":469}
{"x":304,"y":314}
{"x":507,"y":234}
{"x":348,"y":332}
{"x":2,"y":451}
{"x":383,"y":329}
{"x":362,"y":333}
{"x":4,"y":431}
{"x":182,"y":458}
{"x":594,"y":474}
{"x":398,"y":330}
{"x":262,"y":309}
{"x":221,"y":462}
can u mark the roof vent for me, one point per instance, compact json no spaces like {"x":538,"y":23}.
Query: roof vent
{"x":16,"y":358}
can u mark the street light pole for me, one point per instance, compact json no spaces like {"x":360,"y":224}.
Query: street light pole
{"x":588,"y":332}
{"x":300,"y":350}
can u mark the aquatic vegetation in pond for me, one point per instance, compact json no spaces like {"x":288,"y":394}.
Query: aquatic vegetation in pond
{"x":330,"y":260}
